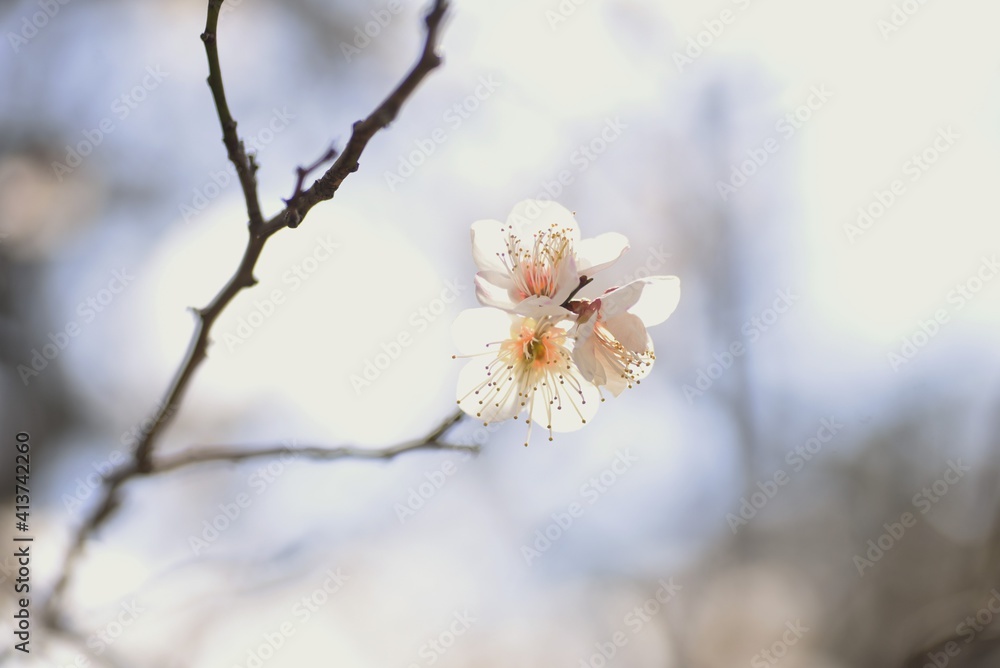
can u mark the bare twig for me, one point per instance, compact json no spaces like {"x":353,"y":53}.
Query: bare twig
{"x":246,"y":168}
{"x":235,"y":454}
{"x":301,"y":174}
{"x":202,"y":454}
{"x":326,"y":186}
{"x":258,"y":233}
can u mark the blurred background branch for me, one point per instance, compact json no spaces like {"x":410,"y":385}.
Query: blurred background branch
{"x":231,"y":453}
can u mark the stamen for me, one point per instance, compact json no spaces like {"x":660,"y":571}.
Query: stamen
{"x":536,"y":364}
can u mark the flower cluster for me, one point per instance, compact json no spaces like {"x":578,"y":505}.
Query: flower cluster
{"x":549,"y":350}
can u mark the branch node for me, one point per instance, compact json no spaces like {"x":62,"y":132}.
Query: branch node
{"x":293,"y":218}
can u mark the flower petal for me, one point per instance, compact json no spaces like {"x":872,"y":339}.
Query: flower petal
{"x":599,"y":253}
{"x":490,"y":294}
{"x":501,"y":279}
{"x":567,"y":405}
{"x":653,"y":299}
{"x":629,"y":330}
{"x":474,"y":328}
{"x":585,"y":357}
{"x":483,"y":402}
{"x":621,"y":299}
{"x":489,"y":237}
{"x":531,"y":216}
{"x":659,"y":299}
{"x":616,"y":385}
{"x":537,"y":307}
{"x":568,"y":280}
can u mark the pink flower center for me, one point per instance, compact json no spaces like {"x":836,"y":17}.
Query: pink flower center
{"x":536,"y":349}
{"x":536,"y":270}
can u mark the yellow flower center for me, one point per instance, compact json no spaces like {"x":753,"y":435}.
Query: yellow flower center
{"x":534,"y":362}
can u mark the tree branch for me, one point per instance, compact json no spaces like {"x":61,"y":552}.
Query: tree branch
{"x":326,"y":186}
{"x":246,"y":168}
{"x":301,"y":174}
{"x":236,"y":454}
{"x":259,"y":232}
